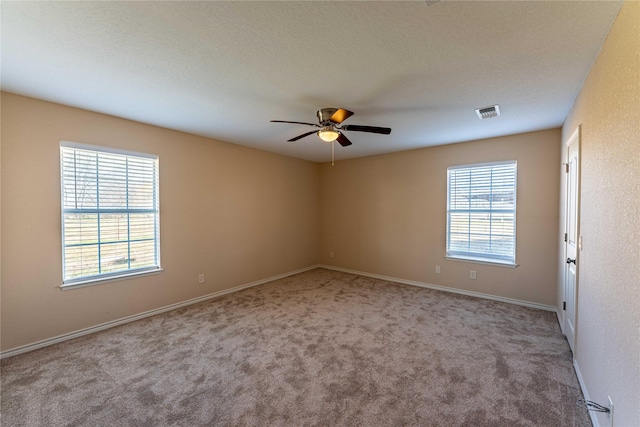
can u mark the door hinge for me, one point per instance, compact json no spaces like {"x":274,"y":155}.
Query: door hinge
{"x":564,"y":305}
{"x":566,"y":167}
{"x":565,"y":237}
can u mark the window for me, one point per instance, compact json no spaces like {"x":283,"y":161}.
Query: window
{"x":110,"y":213}
{"x":481,"y":212}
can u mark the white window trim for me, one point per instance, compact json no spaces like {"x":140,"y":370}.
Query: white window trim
{"x":114,"y":276}
{"x":496,"y":263}
{"x":480,"y":259}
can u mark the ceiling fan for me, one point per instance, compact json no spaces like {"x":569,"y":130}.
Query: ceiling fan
{"x":331,"y":127}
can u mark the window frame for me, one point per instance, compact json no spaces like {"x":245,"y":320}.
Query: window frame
{"x":473,"y":256}
{"x":88,"y":280}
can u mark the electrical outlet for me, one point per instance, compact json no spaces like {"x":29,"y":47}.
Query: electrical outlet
{"x":472,"y":274}
{"x":610,"y":413}
{"x":437,"y":269}
{"x":330,"y":254}
{"x":201,"y":278}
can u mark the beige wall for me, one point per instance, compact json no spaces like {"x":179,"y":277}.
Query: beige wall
{"x":387,"y":215}
{"x":236,"y":214}
{"x":607,"y":349}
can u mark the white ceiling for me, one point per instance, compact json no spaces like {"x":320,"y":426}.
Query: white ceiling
{"x":224,"y":69}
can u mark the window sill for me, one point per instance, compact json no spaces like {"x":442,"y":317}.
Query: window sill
{"x":494,"y":263}
{"x":100,"y":281}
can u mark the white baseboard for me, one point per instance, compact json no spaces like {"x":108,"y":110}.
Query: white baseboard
{"x":71,"y":335}
{"x":594,"y":417}
{"x":445,"y":289}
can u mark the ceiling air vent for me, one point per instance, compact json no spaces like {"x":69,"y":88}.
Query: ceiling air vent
{"x":488,"y":112}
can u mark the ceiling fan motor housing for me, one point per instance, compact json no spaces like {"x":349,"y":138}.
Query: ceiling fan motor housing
{"x":324,"y":115}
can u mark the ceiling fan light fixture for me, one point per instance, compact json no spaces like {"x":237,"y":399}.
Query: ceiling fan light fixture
{"x":328,"y":134}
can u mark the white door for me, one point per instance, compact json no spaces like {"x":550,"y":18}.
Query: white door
{"x":572,"y":237}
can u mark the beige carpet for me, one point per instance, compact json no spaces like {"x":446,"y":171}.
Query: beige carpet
{"x":319,"y":348}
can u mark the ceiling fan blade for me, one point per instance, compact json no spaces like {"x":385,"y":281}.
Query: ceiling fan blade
{"x":341,"y":115}
{"x":299,"y":123}
{"x":343,"y":140}
{"x":301,"y":136}
{"x":370,"y":129}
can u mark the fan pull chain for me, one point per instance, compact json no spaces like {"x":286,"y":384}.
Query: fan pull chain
{"x":333,"y":143}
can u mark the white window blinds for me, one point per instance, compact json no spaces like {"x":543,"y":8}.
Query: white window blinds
{"x":110,"y":213}
{"x":481,"y":212}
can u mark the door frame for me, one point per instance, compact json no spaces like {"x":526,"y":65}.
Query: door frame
{"x":575,"y":138}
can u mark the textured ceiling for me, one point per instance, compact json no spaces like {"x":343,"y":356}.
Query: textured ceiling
{"x":224,"y":69}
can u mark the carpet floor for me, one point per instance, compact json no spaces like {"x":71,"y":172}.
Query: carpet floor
{"x":322,"y":348}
